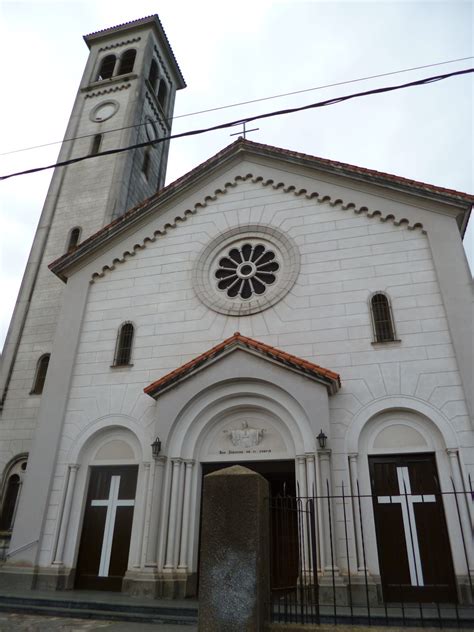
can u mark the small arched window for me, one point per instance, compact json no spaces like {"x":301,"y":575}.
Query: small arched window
{"x":106,"y":69}
{"x":162,"y":94}
{"x":9,"y":503}
{"x":73,"y":240}
{"x":127,"y":61}
{"x":382,"y":320}
{"x":153,"y":74}
{"x":123,"y":347}
{"x":40,"y":375}
{"x":95,"y":145}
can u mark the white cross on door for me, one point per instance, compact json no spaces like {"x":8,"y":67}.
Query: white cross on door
{"x":407,"y":501}
{"x":112,"y":502}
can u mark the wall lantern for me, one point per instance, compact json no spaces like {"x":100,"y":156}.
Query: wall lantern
{"x":156,"y":448}
{"x":322,"y":439}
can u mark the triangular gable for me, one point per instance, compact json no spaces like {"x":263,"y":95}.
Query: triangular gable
{"x":329,"y":378}
{"x":239,"y":149}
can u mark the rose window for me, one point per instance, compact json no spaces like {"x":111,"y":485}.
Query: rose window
{"x":246,"y":271}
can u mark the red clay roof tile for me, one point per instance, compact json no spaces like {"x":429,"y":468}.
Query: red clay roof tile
{"x":332,"y":379}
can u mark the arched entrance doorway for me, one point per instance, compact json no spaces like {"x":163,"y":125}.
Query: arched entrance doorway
{"x":404,"y":470}
{"x":242,"y":403}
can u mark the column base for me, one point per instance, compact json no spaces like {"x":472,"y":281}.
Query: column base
{"x":17,"y":577}
{"x":358,"y":593}
{"x":151,"y":584}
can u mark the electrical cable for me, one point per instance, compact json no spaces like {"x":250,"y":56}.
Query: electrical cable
{"x":248,"y":119}
{"x":233,"y":105}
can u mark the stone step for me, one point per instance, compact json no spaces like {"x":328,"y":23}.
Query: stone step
{"x":75,"y":608}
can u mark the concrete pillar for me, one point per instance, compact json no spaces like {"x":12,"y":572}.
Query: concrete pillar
{"x":234,"y":568}
{"x":328,"y":512}
{"x":183,"y":551}
{"x":356,"y":511}
{"x":310,"y":473}
{"x":140,"y":552}
{"x":462,"y":500}
{"x":173,"y":518}
{"x":71,"y":483}
{"x":302,"y":502}
{"x":155,"y":506}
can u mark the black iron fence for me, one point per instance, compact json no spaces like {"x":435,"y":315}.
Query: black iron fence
{"x":323,"y":549}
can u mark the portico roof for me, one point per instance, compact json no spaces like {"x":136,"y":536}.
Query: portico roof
{"x":329,"y":378}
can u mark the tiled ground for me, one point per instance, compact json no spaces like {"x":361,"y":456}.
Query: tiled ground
{"x":35,"y":623}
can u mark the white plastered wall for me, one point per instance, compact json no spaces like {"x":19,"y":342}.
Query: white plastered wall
{"x":345,"y":256}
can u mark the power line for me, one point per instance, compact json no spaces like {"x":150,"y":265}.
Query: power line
{"x":328,"y":85}
{"x":248,"y":119}
{"x":233,"y":105}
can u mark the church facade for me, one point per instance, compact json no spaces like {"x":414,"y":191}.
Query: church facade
{"x":263,"y":301}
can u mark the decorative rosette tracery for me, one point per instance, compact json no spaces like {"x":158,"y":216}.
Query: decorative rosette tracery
{"x":246,"y":271}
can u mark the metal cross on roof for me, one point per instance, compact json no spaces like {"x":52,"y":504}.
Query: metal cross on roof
{"x":245,"y":131}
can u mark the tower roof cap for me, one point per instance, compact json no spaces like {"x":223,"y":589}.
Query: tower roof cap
{"x":126,"y":26}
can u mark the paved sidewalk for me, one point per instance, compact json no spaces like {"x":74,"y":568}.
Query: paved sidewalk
{"x":10,"y":622}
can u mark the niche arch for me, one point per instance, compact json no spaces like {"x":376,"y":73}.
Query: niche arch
{"x":398,"y":426}
{"x":222,"y":403}
{"x":109,"y":441}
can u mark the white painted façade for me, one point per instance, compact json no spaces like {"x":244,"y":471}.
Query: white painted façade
{"x":353,"y":299}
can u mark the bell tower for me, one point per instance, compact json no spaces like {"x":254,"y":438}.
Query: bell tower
{"x":126,"y":96}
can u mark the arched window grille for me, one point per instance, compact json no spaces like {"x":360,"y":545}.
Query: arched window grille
{"x":106,"y":69}
{"x":162,"y":94}
{"x":9,"y":503}
{"x":40,"y":376}
{"x":382,"y":320}
{"x":123,"y":348}
{"x":153,"y":74}
{"x":96,"y":143}
{"x":127,"y":61}
{"x":73,"y":240}
{"x":146,"y":163}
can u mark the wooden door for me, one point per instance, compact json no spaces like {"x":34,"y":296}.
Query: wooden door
{"x":105,"y":540}
{"x":412,"y":538}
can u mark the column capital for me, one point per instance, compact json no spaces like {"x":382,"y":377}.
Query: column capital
{"x":310,"y":456}
{"x":177,"y":460}
{"x":353,"y":456}
{"x":146,"y":465}
{"x":452,"y":452}
{"x":325,"y":454}
{"x":189,"y":462}
{"x":74,"y":466}
{"x":301,"y":458}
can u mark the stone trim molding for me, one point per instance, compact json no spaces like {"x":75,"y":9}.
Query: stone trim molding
{"x":316,"y":196}
{"x":399,"y":403}
{"x":163,"y":65}
{"x":117,"y":44}
{"x":99,"y":93}
{"x":159,"y":116}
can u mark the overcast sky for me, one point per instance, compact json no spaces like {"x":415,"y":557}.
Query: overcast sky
{"x":238,"y":51}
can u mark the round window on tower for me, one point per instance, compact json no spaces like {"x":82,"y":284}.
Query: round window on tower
{"x":104,"y":111}
{"x":246,"y":271}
